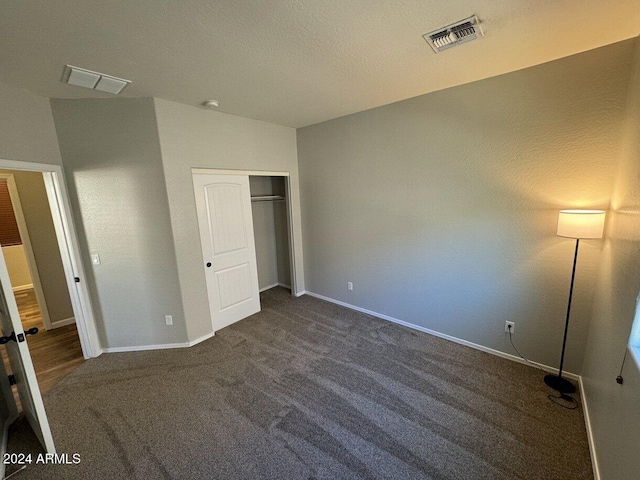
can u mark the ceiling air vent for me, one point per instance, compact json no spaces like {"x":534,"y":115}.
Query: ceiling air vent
{"x":454,"y":34}
{"x":81,"y":77}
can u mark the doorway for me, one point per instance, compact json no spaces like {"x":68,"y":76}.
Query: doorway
{"x":35,"y":269}
{"x":14,"y":337}
{"x":69,"y":250}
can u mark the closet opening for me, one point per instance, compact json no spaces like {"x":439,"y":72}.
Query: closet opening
{"x":269,"y":207}
{"x":250,"y":239}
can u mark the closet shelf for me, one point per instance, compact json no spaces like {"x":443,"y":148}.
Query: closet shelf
{"x":267,"y":198}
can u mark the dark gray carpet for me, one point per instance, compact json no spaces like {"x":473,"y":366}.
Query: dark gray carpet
{"x":310,"y":390}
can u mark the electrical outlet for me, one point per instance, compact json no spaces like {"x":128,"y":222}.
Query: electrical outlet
{"x":509,"y":327}
{"x":350,"y":285}
{"x":168,"y":319}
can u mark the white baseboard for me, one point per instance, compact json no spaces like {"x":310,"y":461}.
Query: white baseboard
{"x":274,"y":286}
{"x":587,"y":423}
{"x":460,"y":341}
{"x":165,"y":346}
{"x":200,"y":339}
{"x":22,"y":288}
{"x":142,"y":348}
{"x":63,"y":322}
{"x":269,"y":287}
{"x":303,"y":292}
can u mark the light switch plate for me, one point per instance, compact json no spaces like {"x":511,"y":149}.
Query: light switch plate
{"x":95,"y":259}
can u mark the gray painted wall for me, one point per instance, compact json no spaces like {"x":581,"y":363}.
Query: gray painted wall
{"x":281,"y":227}
{"x":192,"y":137}
{"x":264,"y":232}
{"x":615,"y":409}
{"x":442,"y":209}
{"x":37,"y":215}
{"x":27,"y":132}
{"x":113,"y":167}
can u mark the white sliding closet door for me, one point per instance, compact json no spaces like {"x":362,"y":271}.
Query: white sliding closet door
{"x":223,"y":204}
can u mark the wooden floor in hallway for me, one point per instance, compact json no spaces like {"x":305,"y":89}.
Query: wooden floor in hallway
{"x":55,"y":353}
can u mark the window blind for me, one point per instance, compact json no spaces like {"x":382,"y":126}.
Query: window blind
{"x":9,"y":234}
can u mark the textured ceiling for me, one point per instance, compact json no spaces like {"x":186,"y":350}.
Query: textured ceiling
{"x":292,"y":62}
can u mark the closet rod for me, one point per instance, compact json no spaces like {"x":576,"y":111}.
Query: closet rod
{"x":267,"y":198}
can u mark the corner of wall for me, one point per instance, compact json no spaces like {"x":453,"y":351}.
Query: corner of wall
{"x":611,"y":408}
{"x":113,"y":167}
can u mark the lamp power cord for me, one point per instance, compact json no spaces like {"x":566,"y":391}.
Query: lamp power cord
{"x":557,"y":399}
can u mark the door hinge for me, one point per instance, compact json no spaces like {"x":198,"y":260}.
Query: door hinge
{"x":77,"y":279}
{"x":12,"y":379}
{"x":20,"y":337}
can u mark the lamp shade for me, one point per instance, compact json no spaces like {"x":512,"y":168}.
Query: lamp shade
{"x":581,"y":223}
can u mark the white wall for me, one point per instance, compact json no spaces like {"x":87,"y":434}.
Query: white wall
{"x":116,"y":183}
{"x":615,"y":409}
{"x":442,"y":209}
{"x":192,"y":137}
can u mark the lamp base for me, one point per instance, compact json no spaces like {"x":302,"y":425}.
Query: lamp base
{"x":559,"y":384}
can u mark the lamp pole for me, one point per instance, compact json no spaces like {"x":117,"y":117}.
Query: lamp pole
{"x":556,"y":381}
{"x":576,"y":224}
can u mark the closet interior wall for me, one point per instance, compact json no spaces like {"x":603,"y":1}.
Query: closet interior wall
{"x":271,"y":231}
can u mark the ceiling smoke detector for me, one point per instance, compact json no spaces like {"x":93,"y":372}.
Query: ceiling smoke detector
{"x":454,"y":34}
{"x":211,"y":104}
{"x":81,"y":77}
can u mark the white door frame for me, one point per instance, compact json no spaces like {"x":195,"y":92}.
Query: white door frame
{"x":28,"y":249}
{"x":69,"y":250}
{"x":293,"y":237}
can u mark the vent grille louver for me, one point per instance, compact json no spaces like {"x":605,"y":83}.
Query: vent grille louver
{"x":454,"y":34}
{"x":81,"y":77}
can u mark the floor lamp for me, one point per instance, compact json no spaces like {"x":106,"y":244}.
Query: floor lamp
{"x":578,"y":224}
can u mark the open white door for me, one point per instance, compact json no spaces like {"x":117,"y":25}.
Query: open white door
{"x":223,"y":204}
{"x":21,"y":365}
{"x":8,"y":413}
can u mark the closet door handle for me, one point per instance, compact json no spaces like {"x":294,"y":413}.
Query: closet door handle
{"x":208,"y":264}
